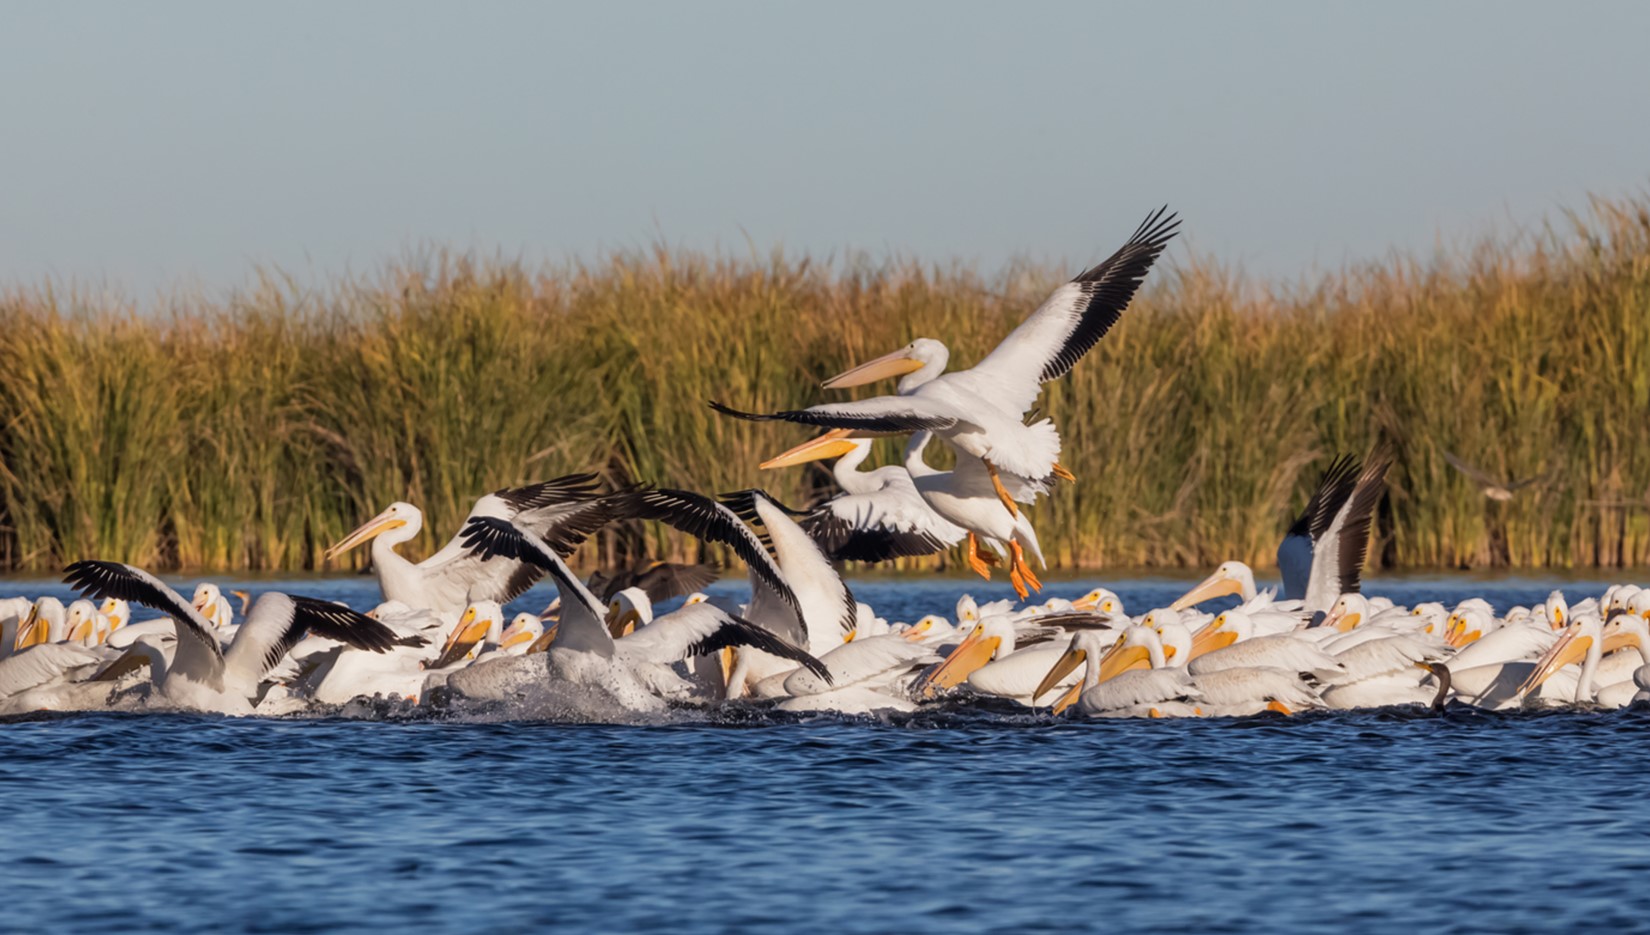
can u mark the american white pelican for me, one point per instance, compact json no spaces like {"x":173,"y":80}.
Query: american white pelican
{"x":209,"y":601}
{"x":482,"y":622}
{"x":332,"y":675}
{"x":203,"y":676}
{"x":563,"y":512}
{"x":1581,"y":640}
{"x":1128,"y":674}
{"x":878,"y":516}
{"x":45,"y":622}
{"x":981,"y":411}
{"x":1633,"y":631}
{"x":1007,"y":656}
{"x":1322,"y":555}
{"x":1230,"y":641}
{"x":40,"y":676}
{"x":584,"y":651}
{"x":794,"y":591}
{"x":865,"y":676}
{"x":964,"y":496}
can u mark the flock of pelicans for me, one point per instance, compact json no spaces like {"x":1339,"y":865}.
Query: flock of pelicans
{"x":802,"y":642}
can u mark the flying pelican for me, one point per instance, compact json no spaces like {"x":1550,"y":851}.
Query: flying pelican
{"x":947,"y":506}
{"x":963,"y":496}
{"x":563,"y":512}
{"x":203,"y":676}
{"x":981,"y":411}
{"x":879,"y":515}
{"x":585,"y":652}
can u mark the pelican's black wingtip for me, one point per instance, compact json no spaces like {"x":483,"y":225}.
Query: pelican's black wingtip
{"x":739,"y":413}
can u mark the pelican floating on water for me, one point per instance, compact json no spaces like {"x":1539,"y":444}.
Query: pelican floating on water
{"x":586,"y":653}
{"x":203,"y":675}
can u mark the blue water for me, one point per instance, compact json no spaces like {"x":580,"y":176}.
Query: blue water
{"x":949,"y":820}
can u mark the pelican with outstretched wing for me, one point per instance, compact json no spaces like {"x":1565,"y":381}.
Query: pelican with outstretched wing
{"x":981,"y":411}
{"x":564,"y":512}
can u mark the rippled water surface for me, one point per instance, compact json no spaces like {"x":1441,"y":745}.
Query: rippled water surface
{"x":948,"y":820}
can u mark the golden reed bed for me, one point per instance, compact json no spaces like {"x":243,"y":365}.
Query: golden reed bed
{"x":250,"y":432}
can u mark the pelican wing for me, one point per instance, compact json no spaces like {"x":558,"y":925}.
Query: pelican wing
{"x":41,"y":664}
{"x":1333,"y":489}
{"x":1296,"y":549}
{"x":891,"y":415}
{"x":892,"y":521}
{"x":562,"y":512}
{"x":1338,"y":556}
{"x":582,"y":626}
{"x":660,"y":581}
{"x":705,"y":519}
{"x":703,"y":628}
{"x":807,"y":570}
{"x":1050,"y":342}
{"x":278,"y":621}
{"x":198,"y":652}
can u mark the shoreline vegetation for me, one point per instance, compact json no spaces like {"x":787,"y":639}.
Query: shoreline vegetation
{"x":249,"y":432}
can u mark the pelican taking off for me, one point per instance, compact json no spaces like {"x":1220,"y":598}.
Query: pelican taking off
{"x":203,"y":675}
{"x":563,"y":512}
{"x":981,"y":411}
{"x":879,"y":515}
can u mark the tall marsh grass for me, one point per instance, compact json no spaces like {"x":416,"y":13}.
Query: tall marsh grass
{"x":250,"y":432}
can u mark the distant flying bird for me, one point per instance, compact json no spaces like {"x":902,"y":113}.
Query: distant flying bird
{"x":1492,"y":488}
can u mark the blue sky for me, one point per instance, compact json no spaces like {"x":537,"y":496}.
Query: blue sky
{"x":157,"y":143}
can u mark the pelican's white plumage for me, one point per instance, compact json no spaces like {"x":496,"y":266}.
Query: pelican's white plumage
{"x":584,"y":651}
{"x":981,"y":410}
{"x":879,"y":515}
{"x":562,"y":512}
{"x":203,"y":676}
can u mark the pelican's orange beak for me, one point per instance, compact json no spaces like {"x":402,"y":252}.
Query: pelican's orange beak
{"x":833,"y":444}
{"x":897,"y":364}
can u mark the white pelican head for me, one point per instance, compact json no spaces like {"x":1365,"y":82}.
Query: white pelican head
{"x":403,"y":518}
{"x":1348,"y":612}
{"x":915,"y":363}
{"x":81,"y":623}
{"x":1099,"y":600}
{"x":1558,"y":610}
{"x":44,"y":624}
{"x":987,"y":640}
{"x":209,"y":601}
{"x":1227,"y":628}
{"x":1468,"y":626}
{"x":930,"y":629}
{"x":480,"y":620}
{"x":629,"y":610}
{"x":116,"y":611}
{"x":1229,"y":578}
{"x":523,"y":631}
